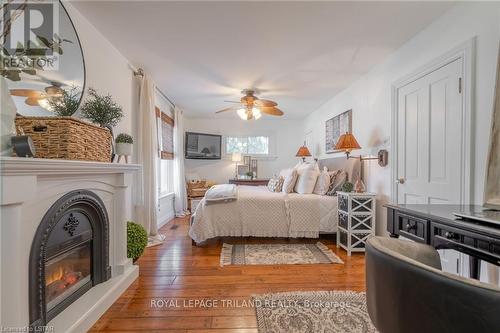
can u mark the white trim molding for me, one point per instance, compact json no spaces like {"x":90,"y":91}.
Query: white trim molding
{"x":465,"y":52}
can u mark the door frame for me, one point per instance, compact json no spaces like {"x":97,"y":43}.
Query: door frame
{"x":465,"y":52}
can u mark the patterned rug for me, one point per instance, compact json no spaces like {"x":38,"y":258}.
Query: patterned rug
{"x":277,"y":254}
{"x":315,"y":311}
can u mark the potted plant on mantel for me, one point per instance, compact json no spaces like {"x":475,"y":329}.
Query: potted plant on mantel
{"x":103,"y":111}
{"x":124,"y":146}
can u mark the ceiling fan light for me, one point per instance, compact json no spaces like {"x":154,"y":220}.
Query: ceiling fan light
{"x":242,"y":113}
{"x":256,"y":113}
{"x":44,"y":103}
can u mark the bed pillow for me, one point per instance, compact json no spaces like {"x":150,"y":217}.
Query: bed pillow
{"x":323,"y":182}
{"x":338,"y":179}
{"x":289,"y":179}
{"x":307,"y":176}
{"x":275,"y":184}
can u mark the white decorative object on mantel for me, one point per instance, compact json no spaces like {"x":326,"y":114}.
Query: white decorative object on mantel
{"x":29,"y":187}
{"x":7,"y":117}
{"x":356,"y":220}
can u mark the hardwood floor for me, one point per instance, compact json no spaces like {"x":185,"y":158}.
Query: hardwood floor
{"x":176,"y":273}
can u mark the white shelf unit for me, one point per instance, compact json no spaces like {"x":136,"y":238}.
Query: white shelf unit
{"x":356,"y":220}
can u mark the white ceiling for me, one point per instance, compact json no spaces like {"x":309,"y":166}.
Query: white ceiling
{"x":297,"y":53}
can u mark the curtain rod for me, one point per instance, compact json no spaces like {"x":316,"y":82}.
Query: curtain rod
{"x":140,"y":72}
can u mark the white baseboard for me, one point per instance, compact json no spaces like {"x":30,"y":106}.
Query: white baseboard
{"x":165,"y":219}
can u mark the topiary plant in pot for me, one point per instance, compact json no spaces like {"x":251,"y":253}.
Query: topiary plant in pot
{"x":124,"y":144}
{"x":137,"y":239}
{"x":101,"y":109}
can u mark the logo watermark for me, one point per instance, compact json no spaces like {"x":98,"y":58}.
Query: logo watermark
{"x":209,"y":303}
{"x":30,"y":36}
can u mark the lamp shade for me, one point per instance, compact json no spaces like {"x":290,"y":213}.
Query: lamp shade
{"x":236,"y":157}
{"x":347,"y":142}
{"x":303,"y":152}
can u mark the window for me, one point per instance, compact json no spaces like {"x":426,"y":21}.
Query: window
{"x":250,"y":145}
{"x":166,"y":176}
{"x":165,"y":128}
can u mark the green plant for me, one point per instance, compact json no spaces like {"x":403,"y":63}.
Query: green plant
{"x":67,"y":104}
{"x":101,"y":109}
{"x":124,"y":138}
{"x":137,"y":239}
{"x":347,"y":187}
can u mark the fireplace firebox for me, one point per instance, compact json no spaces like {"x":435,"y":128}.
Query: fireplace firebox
{"x":69,"y":254}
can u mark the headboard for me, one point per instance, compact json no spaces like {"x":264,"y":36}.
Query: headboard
{"x":352,"y":166}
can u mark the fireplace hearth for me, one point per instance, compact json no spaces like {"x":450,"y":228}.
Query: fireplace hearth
{"x":69,"y":254}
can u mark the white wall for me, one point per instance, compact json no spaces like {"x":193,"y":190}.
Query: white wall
{"x":286,"y":133}
{"x":370,"y":96}
{"x":107,"y":70}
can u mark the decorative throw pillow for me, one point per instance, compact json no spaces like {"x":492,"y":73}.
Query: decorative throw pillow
{"x":271,"y":185}
{"x":275,"y":184}
{"x":290,"y":178}
{"x":323,"y":182}
{"x":307,"y":176}
{"x":279,"y":185}
{"x":339,"y":178}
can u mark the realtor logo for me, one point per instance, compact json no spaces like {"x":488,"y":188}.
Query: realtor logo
{"x":30,"y":34}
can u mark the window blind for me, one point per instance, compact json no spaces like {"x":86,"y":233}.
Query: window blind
{"x":167,"y":134}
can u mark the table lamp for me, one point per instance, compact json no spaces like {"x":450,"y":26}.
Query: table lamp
{"x":303,"y":152}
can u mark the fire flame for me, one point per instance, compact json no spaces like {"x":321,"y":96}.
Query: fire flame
{"x":61,"y":273}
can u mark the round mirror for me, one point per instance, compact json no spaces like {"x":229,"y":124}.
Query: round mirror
{"x":42,"y":59}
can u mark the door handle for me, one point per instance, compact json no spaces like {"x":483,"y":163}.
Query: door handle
{"x":400,"y":180}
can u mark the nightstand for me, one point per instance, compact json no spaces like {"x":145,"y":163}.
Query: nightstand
{"x":356,"y":220}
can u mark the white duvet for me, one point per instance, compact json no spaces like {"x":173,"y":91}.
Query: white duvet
{"x":260,"y":213}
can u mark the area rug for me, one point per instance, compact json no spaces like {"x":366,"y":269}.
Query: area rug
{"x":277,"y":254}
{"x":315,"y":311}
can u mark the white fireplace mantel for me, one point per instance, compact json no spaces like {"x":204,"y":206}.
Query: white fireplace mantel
{"x":28,"y":188}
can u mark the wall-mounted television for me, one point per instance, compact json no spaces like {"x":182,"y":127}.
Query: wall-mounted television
{"x":201,"y":146}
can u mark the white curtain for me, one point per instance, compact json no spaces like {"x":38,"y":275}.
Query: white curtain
{"x":147,"y":155}
{"x":180,"y":199}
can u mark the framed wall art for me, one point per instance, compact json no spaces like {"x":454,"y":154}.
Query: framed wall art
{"x":335,"y":127}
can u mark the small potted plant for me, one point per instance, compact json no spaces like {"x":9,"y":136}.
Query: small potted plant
{"x":347,"y":187}
{"x":137,"y":239}
{"x":101,"y":110}
{"x":124,"y":144}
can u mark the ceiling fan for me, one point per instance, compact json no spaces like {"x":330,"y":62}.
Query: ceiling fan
{"x":251,"y":107}
{"x":36,"y":97}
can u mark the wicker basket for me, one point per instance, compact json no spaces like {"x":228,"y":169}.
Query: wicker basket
{"x":67,"y":138}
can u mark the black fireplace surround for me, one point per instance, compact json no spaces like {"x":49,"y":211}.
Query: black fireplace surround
{"x":69,"y":254}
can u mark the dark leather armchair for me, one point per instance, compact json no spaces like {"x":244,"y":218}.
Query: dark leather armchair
{"x":407,"y":292}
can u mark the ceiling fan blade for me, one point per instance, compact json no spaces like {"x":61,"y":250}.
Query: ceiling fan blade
{"x":273,"y":111}
{"x":232,"y":108}
{"x":265,"y":103}
{"x":33,"y":101}
{"x":54,"y":90}
{"x":233,"y":102}
{"x":25,"y":92}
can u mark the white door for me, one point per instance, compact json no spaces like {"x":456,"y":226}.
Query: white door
{"x":429,"y":120}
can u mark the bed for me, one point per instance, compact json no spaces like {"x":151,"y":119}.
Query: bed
{"x":259,"y":212}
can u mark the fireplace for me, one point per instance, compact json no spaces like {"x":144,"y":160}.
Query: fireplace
{"x":69,"y":254}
